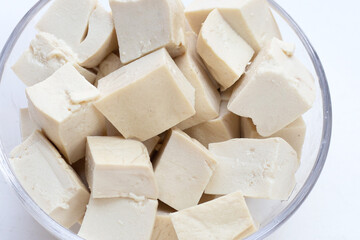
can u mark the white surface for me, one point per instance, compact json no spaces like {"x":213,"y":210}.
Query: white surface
{"x":332,"y":210}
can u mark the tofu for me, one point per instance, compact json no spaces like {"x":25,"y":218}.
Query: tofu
{"x":224,"y":52}
{"x":118,"y":219}
{"x":163,"y":228}
{"x":49,"y":181}
{"x":259,"y":168}
{"x":293,"y":134}
{"x":116,"y":167}
{"x":110,"y":64}
{"x":144,"y":26}
{"x":251,"y":19}
{"x":27,"y":125}
{"x":146,"y":97}
{"x":62,"y":106}
{"x":222,"y":128}
{"x":207,"y":98}
{"x":224,"y":218}
{"x":79,"y":168}
{"x":183,"y":168}
{"x":286,"y":87}
{"x":226,"y":95}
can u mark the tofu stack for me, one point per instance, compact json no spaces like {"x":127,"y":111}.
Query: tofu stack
{"x":172,"y":117}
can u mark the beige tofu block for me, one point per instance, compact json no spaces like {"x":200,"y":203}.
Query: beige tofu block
{"x":224,"y":218}
{"x":222,"y":128}
{"x":259,"y":168}
{"x":117,"y":167}
{"x":251,"y":19}
{"x":224,"y":52}
{"x":286,"y":87}
{"x":45,"y":55}
{"x":62,"y":106}
{"x":49,"y":181}
{"x":293,"y":134}
{"x":226,"y":95}
{"x":147,"y":25}
{"x":110,"y":64}
{"x":118,"y":219}
{"x":146,"y":97}
{"x":207,"y":98}
{"x":163,"y":228}
{"x":183,"y":168}
{"x":27,"y":125}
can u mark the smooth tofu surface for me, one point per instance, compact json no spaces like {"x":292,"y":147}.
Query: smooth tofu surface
{"x":183,"y":168}
{"x":224,"y":52}
{"x":207,"y":98}
{"x":259,"y":168}
{"x":222,"y":128}
{"x":225,"y":218}
{"x":27,"y":125}
{"x":147,"y":25}
{"x":163,"y":228}
{"x":146,"y":97}
{"x":50,"y":182}
{"x":62,"y":106}
{"x":110,"y":64}
{"x":118,"y":219}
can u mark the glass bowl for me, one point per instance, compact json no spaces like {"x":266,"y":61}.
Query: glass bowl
{"x":268,"y":213}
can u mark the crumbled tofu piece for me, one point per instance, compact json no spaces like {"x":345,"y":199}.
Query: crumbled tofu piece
{"x":118,"y":219}
{"x":147,"y":25}
{"x":259,"y":168}
{"x":27,"y":125}
{"x":224,"y":52}
{"x":146,"y":97}
{"x":183,"y":168}
{"x":222,"y":128}
{"x":286,"y":87}
{"x":49,"y":181}
{"x":163,"y":228}
{"x":110,"y":64}
{"x":251,"y":19}
{"x":207,"y":98}
{"x":293,"y":134}
{"x":224,"y":218}
{"x":62,"y":106}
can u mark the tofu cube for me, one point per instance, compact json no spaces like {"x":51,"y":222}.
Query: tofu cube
{"x":222,"y":128}
{"x":27,"y":125}
{"x":146,"y":97}
{"x":62,"y":106}
{"x":224,"y":218}
{"x":224,"y":52}
{"x":117,"y":167}
{"x":183,"y":168}
{"x":118,"y":219}
{"x":163,"y":228}
{"x":147,"y":25}
{"x":259,"y":168}
{"x":110,"y":64}
{"x":49,"y":181}
{"x":286,"y":87}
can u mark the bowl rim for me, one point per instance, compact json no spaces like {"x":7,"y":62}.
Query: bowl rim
{"x":63,"y":233}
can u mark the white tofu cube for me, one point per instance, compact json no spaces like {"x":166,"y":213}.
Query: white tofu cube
{"x":286,"y":87}
{"x":224,"y":52}
{"x":49,"y":181}
{"x":118,"y":219}
{"x":224,"y":218}
{"x":62,"y":107}
{"x":27,"y":125}
{"x":146,"y":97}
{"x":259,"y":168}
{"x":116,"y":167}
{"x":183,"y":168}
{"x":110,"y":64}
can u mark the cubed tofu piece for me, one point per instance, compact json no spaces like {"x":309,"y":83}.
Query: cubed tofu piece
{"x":118,"y":219}
{"x":259,"y":168}
{"x":146,"y":97}
{"x":163,"y":228}
{"x":110,"y":64}
{"x":27,"y":125}
{"x":222,"y":128}
{"x":251,"y":19}
{"x":49,"y":180}
{"x":45,"y":55}
{"x":286,"y":87}
{"x":224,"y":52}
{"x":183,"y":168}
{"x":293,"y":134}
{"x":147,"y":25}
{"x":62,"y":106}
{"x":117,"y":167}
{"x":207,"y":98}
{"x":224,"y":218}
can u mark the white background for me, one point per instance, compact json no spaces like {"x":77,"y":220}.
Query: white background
{"x":332,"y":210}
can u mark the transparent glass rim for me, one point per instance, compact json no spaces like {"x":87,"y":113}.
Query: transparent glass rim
{"x":62,"y":233}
